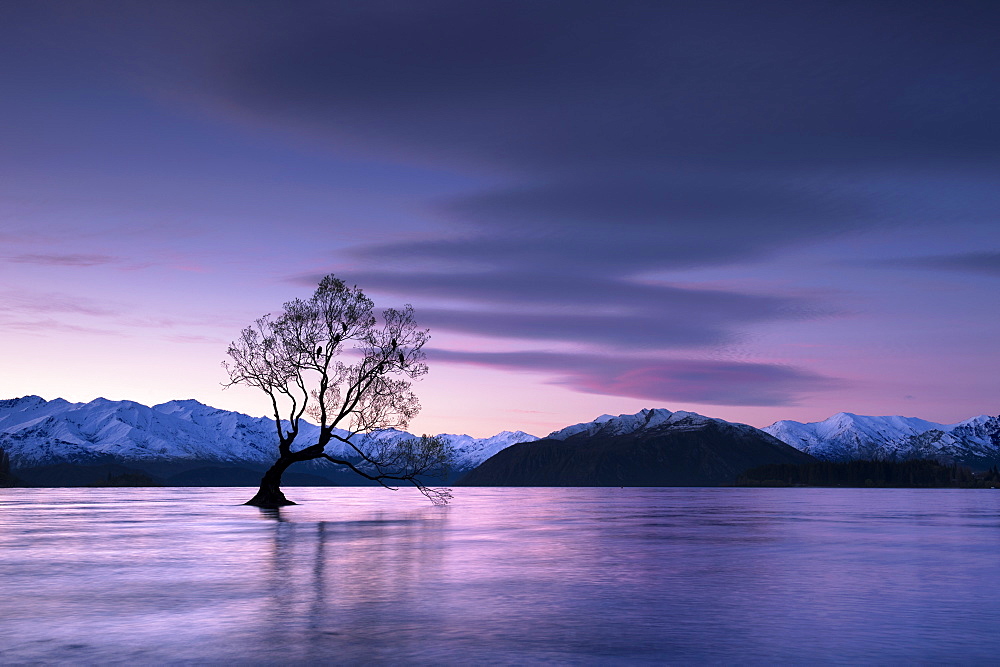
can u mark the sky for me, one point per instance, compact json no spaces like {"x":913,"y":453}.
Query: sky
{"x":755,"y":211}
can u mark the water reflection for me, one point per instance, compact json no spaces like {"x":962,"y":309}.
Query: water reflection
{"x":342,"y":587}
{"x":500,"y":576}
{"x":273,"y":513}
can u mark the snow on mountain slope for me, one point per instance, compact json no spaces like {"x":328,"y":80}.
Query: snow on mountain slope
{"x":34,"y":431}
{"x":470,"y":452}
{"x":975,"y":441}
{"x":847,"y":437}
{"x":649,"y":418}
{"x":586,"y":427}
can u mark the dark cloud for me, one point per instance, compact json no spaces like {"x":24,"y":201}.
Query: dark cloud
{"x":655,"y":379}
{"x":569,"y":291}
{"x":710,"y":202}
{"x":560,"y":263}
{"x":626,"y":227}
{"x":987,"y":263}
{"x":563,"y":84}
{"x":657,"y":329}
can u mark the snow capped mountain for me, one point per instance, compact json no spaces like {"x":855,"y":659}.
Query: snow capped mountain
{"x":649,"y":418}
{"x":34,"y":431}
{"x":847,"y":437}
{"x":649,"y":448}
{"x":470,"y":452}
{"x":975,"y":440}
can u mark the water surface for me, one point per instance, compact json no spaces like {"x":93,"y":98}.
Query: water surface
{"x":592,"y":576}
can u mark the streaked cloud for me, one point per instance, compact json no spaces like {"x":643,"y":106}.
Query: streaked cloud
{"x":26,"y":301}
{"x":658,"y":379}
{"x":615,"y":313}
{"x":63,"y":260}
{"x":986,"y":263}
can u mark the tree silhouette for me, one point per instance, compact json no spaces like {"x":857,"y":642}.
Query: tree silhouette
{"x":331,"y":358}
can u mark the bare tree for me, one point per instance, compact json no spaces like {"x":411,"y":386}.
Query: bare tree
{"x":330,"y":357}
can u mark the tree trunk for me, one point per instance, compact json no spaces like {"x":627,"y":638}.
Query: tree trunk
{"x":270,"y":495}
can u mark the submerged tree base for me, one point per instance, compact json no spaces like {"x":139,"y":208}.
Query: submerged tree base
{"x":269,"y":500}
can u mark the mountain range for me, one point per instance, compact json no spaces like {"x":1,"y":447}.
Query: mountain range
{"x":185,"y":433}
{"x":849,"y":437}
{"x":35,"y":432}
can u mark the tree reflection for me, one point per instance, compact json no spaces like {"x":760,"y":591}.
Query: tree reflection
{"x":352,"y":589}
{"x":273,"y":513}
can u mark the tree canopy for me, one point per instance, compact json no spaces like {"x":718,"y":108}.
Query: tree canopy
{"x":332,"y":359}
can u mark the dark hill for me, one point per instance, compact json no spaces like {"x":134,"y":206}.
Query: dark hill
{"x":687,"y":453}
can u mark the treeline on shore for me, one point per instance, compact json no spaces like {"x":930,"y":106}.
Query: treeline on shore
{"x":125,"y":477}
{"x":6,"y":479}
{"x":878,"y":474}
{"x":920,"y":474}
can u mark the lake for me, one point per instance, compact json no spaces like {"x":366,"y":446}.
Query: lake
{"x":515,"y":575}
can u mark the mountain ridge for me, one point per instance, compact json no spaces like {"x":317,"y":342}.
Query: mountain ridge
{"x":34,"y":432}
{"x":654,"y":447}
{"x":847,"y":436}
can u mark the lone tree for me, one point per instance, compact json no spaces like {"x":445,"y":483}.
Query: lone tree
{"x":331,"y":358}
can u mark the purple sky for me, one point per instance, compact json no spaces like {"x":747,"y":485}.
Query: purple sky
{"x":756,"y":211}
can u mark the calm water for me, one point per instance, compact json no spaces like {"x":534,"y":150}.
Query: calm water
{"x":502,"y":575}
